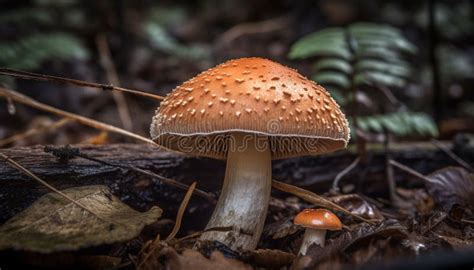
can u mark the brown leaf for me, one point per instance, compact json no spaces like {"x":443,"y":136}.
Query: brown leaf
{"x":280,"y":229}
{"x":457,"y":243}
{"x":450,"y":186}
{"x":358,"y":206}
{"x":168,"y":258}
{"x":53,"y":223}
{"x":268,"y":258}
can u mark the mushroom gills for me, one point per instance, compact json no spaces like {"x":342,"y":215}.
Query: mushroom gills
{"x":245,"y":194}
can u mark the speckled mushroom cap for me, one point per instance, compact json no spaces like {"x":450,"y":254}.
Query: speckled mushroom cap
{"x":255,"y":96}
{"x":318,"y":219}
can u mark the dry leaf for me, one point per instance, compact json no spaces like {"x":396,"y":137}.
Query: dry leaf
{"x":168,"y":258}
{"x":53,"y":223}
{"x":450,"y":186}
{"x":358,"y":206}
{"x":268,"y":258}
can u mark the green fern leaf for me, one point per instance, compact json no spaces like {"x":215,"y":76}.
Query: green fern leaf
{"x":399,"y":68}
{"x":30,"y":52}
{"x":332,"y":78}
{"x":333,"y":64}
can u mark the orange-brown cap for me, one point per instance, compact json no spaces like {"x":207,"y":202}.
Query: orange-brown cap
{"x":318,"y":219}
{"x":251,"y":95}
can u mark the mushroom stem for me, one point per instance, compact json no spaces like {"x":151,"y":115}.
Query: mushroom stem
{"x":312,"y":236}
{"x":245,"y":194}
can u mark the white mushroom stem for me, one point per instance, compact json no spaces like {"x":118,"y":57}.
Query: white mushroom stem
{"x":245,"y":194}
{"x":312,"y":236}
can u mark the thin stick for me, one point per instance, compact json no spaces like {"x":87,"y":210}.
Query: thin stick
{"x":181,"y":210}
{"x":409,"y":170}
{"x":452,"y":155}
{"x":22,"y":169}
{"x":467,"y":221}
{"x":47,"y":78}
{"x":113,"y":78}
{"x":313,"y":198}
{"x":34,"y":131}
{"x":7,"y":93}
{"x":197,"y":234}
{"x":335,"y":183}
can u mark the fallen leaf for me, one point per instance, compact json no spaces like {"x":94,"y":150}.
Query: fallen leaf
{"x":358,"y":206}
{"x":280,"y":229}
{"x":267,"y":258}
{"x":168,"y":258}
{"x":457,"y":243}
{"x":415,"y":201}
{"x":450,"y":186}
{"x":53,"y":223}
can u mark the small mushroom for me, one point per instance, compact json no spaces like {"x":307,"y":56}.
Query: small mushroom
{"x":316,"y":222}
{"x":225,"y":113}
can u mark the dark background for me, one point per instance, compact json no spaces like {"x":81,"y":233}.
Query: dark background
{"x":156,"y":45}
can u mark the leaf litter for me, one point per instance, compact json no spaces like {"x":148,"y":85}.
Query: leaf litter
{"x":53,"y":224}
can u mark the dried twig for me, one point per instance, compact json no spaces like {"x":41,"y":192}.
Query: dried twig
{"x":48,"y":78}
{"x":313,"y":198}
{"x":34,"y":131}
{"x":112,"y":77}
{"x":409,"y":170}
{"x":335,"y":183}
{"x":15,"y":96}
{"x":181,"y":210}
{"x":22,"y":169}
{"x":452,"y":155}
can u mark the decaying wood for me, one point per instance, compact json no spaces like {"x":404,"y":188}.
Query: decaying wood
{"x":18,"y":191}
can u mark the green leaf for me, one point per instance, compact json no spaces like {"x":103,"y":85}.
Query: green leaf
{"x":333,"y":64}
{"x":53,"y":224}
{"x":329,"y":42}
{"x":30,"y":52}
{"x":376,"y":78}
{"x":332,"y":78}
{"x":383,"y":53}
{"x":364,"y":28}
{"x":400,"y":43}
{"x":400,"y":124}
{"x":337,"y":95}
{"x":162,"y":41}
{"x":399,"y":68}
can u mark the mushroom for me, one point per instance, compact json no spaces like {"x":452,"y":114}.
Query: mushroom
{"x":248,"y":111}
{"x":316,"y":222}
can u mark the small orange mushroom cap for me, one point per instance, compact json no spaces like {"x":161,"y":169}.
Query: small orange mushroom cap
{"x":318,"y":219}
{"x":254,"y":96}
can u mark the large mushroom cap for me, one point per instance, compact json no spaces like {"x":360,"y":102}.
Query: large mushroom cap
{"x":255,"y":96}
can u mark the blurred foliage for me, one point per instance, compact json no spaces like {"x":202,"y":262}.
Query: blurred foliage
{"x":164,"y":42}
{"x":30,"y":52}
{"x":360,"y":56}
{"x":452,"y":21}
{"x":34,"y":47}
{"x":159,"y":20}
{"x":399,"y":123}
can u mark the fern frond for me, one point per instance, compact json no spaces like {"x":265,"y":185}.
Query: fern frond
{"x":30,"y":52}
{"x":400,"y":124}
{"x":164,"y":42}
